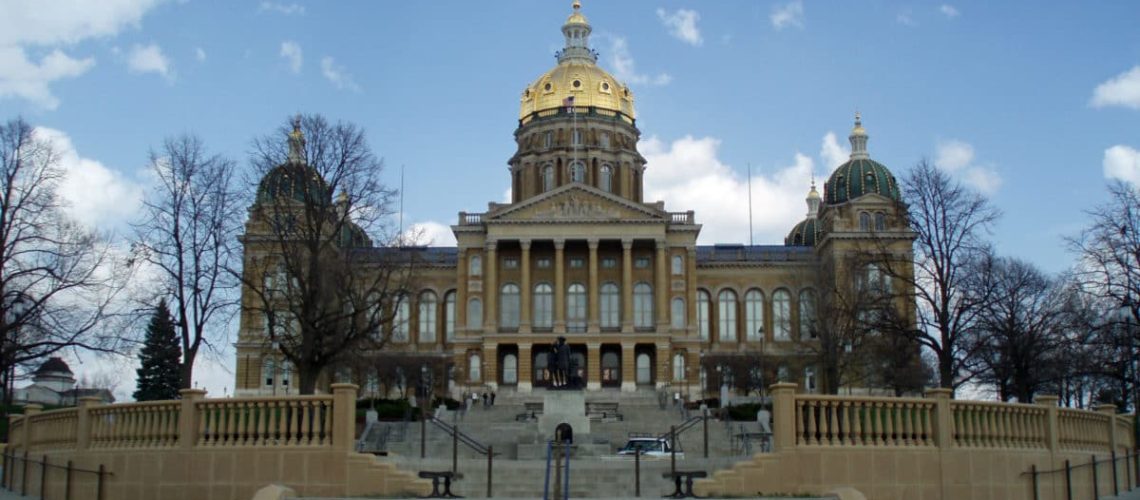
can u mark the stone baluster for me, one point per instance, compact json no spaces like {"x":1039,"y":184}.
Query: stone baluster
{"x":1052,"y":431}
{"x":784,"y":415}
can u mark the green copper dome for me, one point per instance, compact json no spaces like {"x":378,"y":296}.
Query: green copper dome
{"x":858,"y":177}
{"x":352,"y":236}
{"x":803,"y":234}
{"x":294,"y":181}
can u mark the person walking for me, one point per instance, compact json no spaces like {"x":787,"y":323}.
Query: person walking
{"x":492,"y":398}
{"x":486,"y":400}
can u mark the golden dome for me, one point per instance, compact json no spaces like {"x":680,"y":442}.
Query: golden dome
{"x":576,"y":76}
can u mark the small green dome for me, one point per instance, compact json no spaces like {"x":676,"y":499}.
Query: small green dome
{"x":352,"y":236}
{"x":858,"y":177}
{"x":804,"y":234}
{"x":293,"y":180}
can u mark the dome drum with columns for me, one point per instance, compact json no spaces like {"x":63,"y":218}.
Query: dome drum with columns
{"x":578,"y":253}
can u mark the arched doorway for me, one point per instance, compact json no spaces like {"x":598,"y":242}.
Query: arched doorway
{"x":510,"y":369}
{"x":541,"y":369}
{"x":611,"y":368}
{"x":644,"y":369}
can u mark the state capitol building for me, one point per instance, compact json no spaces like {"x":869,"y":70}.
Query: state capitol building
{"x":579,"y":253}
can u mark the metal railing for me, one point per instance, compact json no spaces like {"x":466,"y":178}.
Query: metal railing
{"x":1131,"y":475}
{"x":461,"y":436}
{"x":13,"y":462}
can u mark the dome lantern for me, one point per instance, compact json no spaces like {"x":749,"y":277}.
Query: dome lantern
{"x":577,"y":32}
{"x":860,"y":175}
{"x":813,"y":201}
{"x":858,"y":140}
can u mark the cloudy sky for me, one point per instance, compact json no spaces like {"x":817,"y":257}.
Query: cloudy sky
{"x":1036,"y":105}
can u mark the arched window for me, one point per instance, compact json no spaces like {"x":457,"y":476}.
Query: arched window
{"x":754,"y":315}
{"x":577,"y":172}
{"x":808,"y":325}
{"x":703,"y":300}
{"x":474,"y":314}
{"x":726,"y":303}
{"x":874,"y":280}
{"x":576,"y":137}
{"x":475,"y":266}
{"x":604,"y":140}
{"x":400,"y":322}
{"x":475,"y":368}
{"x":576,"y":308}
{"x":864,"y":221}
{"x":610,"y":306}
{"x":642,"y":305}
{"x":449,"y":316}
{"x":510,"y":369}
{"x":548,"y":177}
{"x":678,"y":265}
{"x":644,"y":369}
{"x":543,"y":307}
{"x":268,"y":372}
{"x":678,"y":367}
{"x":880,"y":221}
{"x":782,"y":315}
{"x":427,"y":314}
{"x":509,"y":306}
{"x":286,"y":372}
{"x":677,"y":313}
{"x":606,"y":178}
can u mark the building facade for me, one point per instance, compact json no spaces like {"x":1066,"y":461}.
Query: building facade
{"x":578,"y":253}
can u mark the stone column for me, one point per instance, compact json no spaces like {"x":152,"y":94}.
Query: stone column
{"x":943,"y":416}
{"x":30,"y":410}
{"x":783,"y":416}
{"x":83,"y":421}
{"x":559,"y":286}
{"x":525,"y":289}
{"x":491,"y":365}
{"x":1110,"y":411}
{"x":344,"y":416}
{"x":627,"y":285}
{"x":490,"y":288}
{"x":462,"y":281}
{"x":188,"y":417}
{"x":662,"y":288}
{"x":594,"y":366}
{"x":662,"y":375}
{"x":1052,"y":433}
{"x":525,"y":375}
{"x":628,"y":368}
{"x":593,"y":291}
{"x":691,"y":290}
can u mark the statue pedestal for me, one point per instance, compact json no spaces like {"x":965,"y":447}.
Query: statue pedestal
{"x":563,"y":407}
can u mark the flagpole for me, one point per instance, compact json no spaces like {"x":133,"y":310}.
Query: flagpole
{"x":401,"y":233}
{"x":750,"y":204}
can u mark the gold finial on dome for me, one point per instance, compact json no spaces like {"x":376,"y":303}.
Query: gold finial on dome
{"x":576,"y":17}
{"x":858,"y":130}
{"x":858,"y":139}
{"x":576,"y":5}
{"x":296,"y":142}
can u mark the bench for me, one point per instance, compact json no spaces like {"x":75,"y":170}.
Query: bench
{"x":436,"y":476}
{"x":532,"y":411}
{"x":600,"y":410}
{"x":683,"y":478}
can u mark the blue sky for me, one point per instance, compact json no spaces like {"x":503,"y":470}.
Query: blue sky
{"x":1030,"y":102}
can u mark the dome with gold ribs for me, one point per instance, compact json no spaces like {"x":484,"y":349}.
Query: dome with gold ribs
{"x":576,"y":80}
{"x":860,"y":175}
{"x":294,"y":179}
{"x":806,"y":233}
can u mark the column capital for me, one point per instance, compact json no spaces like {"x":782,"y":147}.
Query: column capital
{"x":491,"y":245}
{"x":525,"y":244}
{"x":593,"y":345}
{"x":692,"y":251}
{"x":524,"y":345}
{"x":592,"y":243}
{"x":627,"y":243}
{"x":661,"y":243}
{"x":559,"y":243}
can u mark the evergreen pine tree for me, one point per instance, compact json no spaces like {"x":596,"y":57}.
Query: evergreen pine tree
{"x":159,"y":377}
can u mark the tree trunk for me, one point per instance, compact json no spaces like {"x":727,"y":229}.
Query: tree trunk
{"x":187,"y":369}
{"x":308,"y":377}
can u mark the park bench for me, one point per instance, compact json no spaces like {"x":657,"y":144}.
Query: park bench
{"x":436,"y":477}
{"x":603,"y":410}
{"x":532,"y":411}
{"x":683,"y":482}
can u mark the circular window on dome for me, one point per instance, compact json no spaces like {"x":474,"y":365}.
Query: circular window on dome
{"x":548,"y":87}
{"x":605,"y":85}
{"x":577,"y":83}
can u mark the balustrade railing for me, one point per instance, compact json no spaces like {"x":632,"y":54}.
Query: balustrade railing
{"x":55,"y":430}
{"x":135,"y":425}
{"x":295,"y":421}
{"x":1083,"y":430}
{"x":842,"y":421}
{"x":978,"y":424}
{"x":1123,"y":428}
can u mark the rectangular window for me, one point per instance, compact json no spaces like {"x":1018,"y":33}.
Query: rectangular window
{"x":510,"y":263}
{"x":641,"y":262}
{"x":577,"y":137}
{"x":609,"y":263}
{"x":577,"y":263}
{"x":548,"y":139}
{"x":542,"y":263}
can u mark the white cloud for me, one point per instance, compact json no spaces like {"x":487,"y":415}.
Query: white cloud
{"x":1123,"y":90}
{"x":904,"y":18}
{"x":200,"y":54}
{"x":682,"y":25}
{"x":95,"y":195}
{"x":430,"y":233}
{"x":789,"y":14}
{"x":25,"y":79}
{"x":149,"y":59}
{"x":30,"y":23}
{"x":957,"y":158}
{"x":291,"y":51}
{"x":832,"y":153}
{"x":337,"y":75}
{"x":1122,"y":162}
{"x":287,"y":9}
{"x":948,"y":10}
{"x":624,"y":67}
{"x":688,"y":174}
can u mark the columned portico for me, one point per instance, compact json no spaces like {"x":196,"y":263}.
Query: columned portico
{"x":627,"y":285}
{"x":559,"y":286}
{"x":491,"y":288}
{"x":526,"y":289}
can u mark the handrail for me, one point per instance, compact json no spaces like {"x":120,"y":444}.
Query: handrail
{"x":686,"y":425}
{"x":463,"y":437}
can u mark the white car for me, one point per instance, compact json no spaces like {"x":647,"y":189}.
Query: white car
{"x":649,"y":446}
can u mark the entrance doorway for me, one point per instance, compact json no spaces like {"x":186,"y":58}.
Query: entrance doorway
{"x":645,"y":357}
{"x":611,"y":366}
{"x":508,"y":365}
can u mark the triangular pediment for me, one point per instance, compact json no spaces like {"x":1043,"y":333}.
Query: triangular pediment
{"x":575,"y":202}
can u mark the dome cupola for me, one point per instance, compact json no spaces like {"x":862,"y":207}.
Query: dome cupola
{"x":806,"y":232}
{"x":294,"y":179}
{"x":860,"y":175}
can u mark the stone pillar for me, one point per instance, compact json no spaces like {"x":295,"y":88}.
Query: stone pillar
{"x":559,"y":286}
{"x":30,"y":410}
{"x":594,"y":366}
{"x":462,"y":281}
{"x":1110,"y":411}
{"x":627,"y":285}
{"x":628,"y":368}
{"x":662,"y":287}
{"x":525,"y":289}
{"x":188,"y":417}
{"x":691,"y":290}
{"x":490,"y":288}
{"x":943,"y":417}
{"x":662,"y":373}
{"x":783,"y":416}
{"x":593,"y":291}
{"x":344,"y":416}
{"x":1052,"y":434}
{"x":491,"y":365}
{"x":525,"y":376}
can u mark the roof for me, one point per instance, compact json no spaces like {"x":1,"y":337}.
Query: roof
{"x":858,"y":177}
{"x":53,"y":364}
{"x":707,"y":254}
{"x":804,"y":234}
{"x":434,"y":256}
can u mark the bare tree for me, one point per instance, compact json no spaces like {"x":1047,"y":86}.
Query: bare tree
{"x":58,"y":280}
{"x":311,"y":268}
{"x":189,"y":235}
{"x":950,"y":223}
